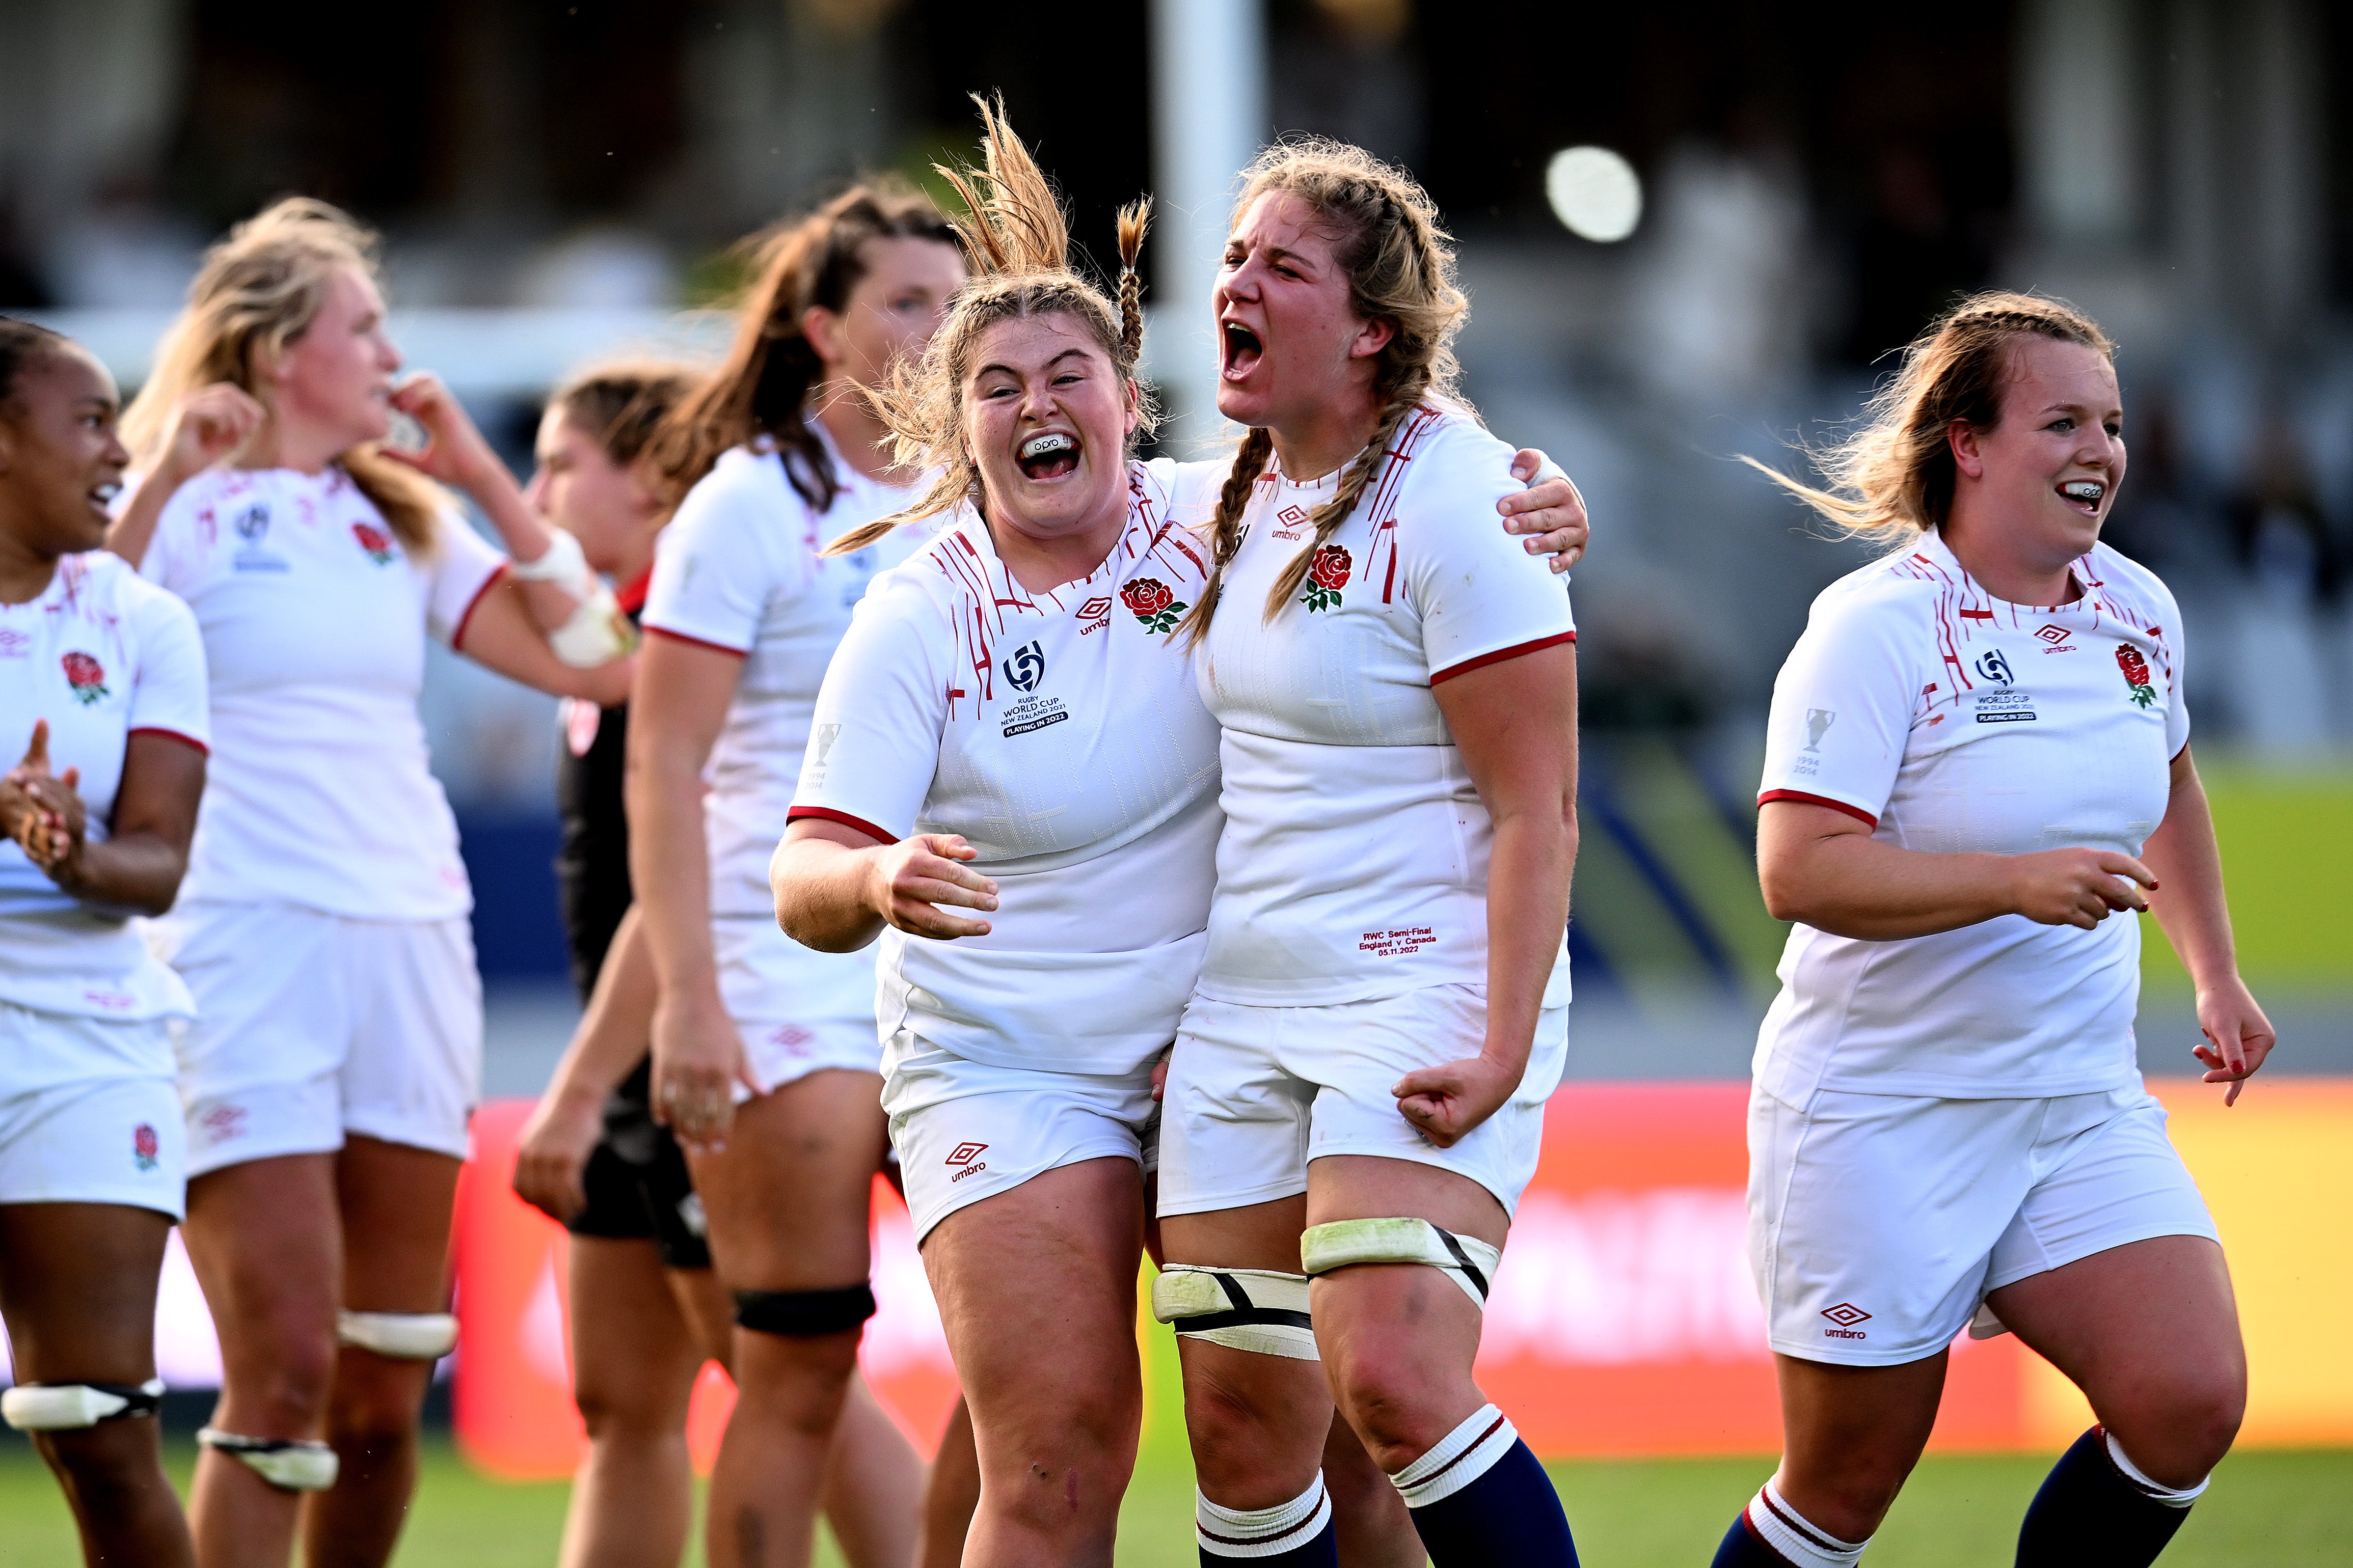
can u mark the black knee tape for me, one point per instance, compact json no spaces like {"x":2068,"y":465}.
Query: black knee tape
{"x":803,"y":1314}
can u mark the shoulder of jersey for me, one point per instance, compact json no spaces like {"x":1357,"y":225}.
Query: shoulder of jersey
{"x":742,"y":475}
{"x":2121,"y":576}
{"x":109,"y":580}
{"x":1899,"y":579}
{"x":926,"y":577}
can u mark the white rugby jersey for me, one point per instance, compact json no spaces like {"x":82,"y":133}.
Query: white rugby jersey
{"x":314,"y":619}
{"x":101,"y":656}
{"x":738,"y":570}
{"x":1953,"y":722}
{"x":1353,"y":863}
{"x":1061,"y":736}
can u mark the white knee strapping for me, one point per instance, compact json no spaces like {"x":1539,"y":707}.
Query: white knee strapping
{"x":402,"y":1336}
{"x":1467,"y":1260}
{"x":1261,"y":1531}
{"x":289,"y":1464}
{"x":1457,"y":1459}
{"x":62,"y":1406}
{"x":2156,"y":1491}
{"x":1243,"y":1309}
{"x":1796,"y":1539}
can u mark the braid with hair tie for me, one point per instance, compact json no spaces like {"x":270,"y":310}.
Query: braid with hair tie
{"x":1134,"y":219}
{"x":1334,"y":512}
{"x":1226,"y":527}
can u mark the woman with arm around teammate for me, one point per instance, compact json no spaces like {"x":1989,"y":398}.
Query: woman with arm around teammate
{"x":1356,"y":1094}
{"x":1979,"y":758}
{"x":337,"y":1051}
{"x":103,"y":696}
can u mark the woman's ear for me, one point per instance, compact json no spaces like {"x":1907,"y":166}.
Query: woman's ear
{"x":1372,"y":337}
{"x":1133,"y":398}
{"x":822,"y":327}
{"x":1968,"y":448}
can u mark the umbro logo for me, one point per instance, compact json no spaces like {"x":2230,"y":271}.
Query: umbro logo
{"x":1293,"y":520}
{"x":1846,"y":1315}
{"x":1098,"y":605}
{"x":2054,"y":635}
{"x":965,"y":1156}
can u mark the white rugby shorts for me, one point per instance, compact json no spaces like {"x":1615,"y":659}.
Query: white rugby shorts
{"x":965,"y":1130}
{"x":310,"y":1026}
{"x":1877,"y":1222}
{"x":799,"y":1011}
{"x":116,"y":1139}
{"x":1255,"y":1093}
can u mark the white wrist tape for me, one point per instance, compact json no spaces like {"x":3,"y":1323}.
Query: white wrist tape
{"x":563,"y":564}
{"x":1255,"y":1309}
{"x":402,"y":1336}
{"x":1467,"y":1260}
{"x":597,"y":633}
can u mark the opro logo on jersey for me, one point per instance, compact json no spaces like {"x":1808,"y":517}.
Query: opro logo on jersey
{"x":1026,"y":666}
{"x":967,"y":1155}
{"x":1994,"y":668}
{"x":1846,"y":1315}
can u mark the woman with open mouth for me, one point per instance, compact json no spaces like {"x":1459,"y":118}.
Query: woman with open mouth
{"x":1013,"y":784}
{"x":104,"y":703}
{"x":1977,"y":773}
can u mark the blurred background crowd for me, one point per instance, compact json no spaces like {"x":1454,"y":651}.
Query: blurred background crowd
{"x":1783,"y":195}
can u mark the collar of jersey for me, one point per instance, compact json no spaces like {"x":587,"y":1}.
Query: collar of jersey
{"x":970,"y":524}
{"x":1932,"y":546}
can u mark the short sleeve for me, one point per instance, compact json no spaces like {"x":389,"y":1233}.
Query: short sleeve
{"x":739,"y":542}
{"x":2176,"y":699}
{"x":1842,"y":712}
{"x":170,"y":696}
{"x":462,"y":569}
{"x":1483,"y":598}
{"x":874,"y":739}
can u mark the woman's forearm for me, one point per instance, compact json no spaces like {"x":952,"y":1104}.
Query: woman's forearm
{"x":133,"y":528}
{"x":138,"y":871}
{"x":820,"y":889}
{"x":669,"y":867}
{"x":1853,"y":885}
{"x":1527,"y":909}
{"x":617,"y":1027}
{"x":2188,"y":902}
{"x":528,"y":537}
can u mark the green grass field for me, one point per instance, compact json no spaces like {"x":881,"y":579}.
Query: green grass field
{"x":2281,"y":1509}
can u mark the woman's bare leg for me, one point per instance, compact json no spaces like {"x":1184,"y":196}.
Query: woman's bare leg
{"x":953,"y":1494}
{"x":1047,"y":1352}
{"x":635,"y":1358}
{"x":873,"y":1484}
{"x":787,"y":1204}
{"x":266,"y":1244}
{"x":396,"y":1204}
{"x":77,"y":1288}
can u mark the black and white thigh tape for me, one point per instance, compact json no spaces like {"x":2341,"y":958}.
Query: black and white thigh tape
{"x":1467,"y":1260}
{"x":1256,"y":1309}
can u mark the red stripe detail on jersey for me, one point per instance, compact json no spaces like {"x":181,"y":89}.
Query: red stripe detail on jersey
{"x":632,"y":596}
{"x":1977,"y":615}
{"x":826,"y":814}
{"x":1499,"y":656}
{"x":668,"y":636}
{"x":1804,"y":799}
{"x":458,"y":632}
{"x":170,"y":734}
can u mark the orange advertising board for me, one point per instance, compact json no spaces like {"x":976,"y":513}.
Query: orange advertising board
{"x":1623,"y":1319}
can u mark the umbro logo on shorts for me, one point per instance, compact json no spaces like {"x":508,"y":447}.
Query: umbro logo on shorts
{"x":1846,"y":1315}
{"x":967,"y":1156}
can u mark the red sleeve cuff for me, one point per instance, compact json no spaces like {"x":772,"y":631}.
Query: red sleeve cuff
{"x":458,"y":632}
{"x":1499,"y":656}
{"x":826,"y":814}
{"x":185,"y":740}
{"x":666,"y":633}
{"x":1804,"y":799}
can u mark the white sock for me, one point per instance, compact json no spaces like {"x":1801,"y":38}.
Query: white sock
{"x":1790,"y":1533}
{"x":1457,"y":1459}
{"x":2157,"y":1491}
{"x":1261,"y":1531}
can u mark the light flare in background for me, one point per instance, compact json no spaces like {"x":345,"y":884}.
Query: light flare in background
{"x":1594,"y":193}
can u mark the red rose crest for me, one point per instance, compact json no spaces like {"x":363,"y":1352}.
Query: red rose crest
{"x":2136,"y":668}
{"x":374,"y":539}
{"x":86,"y":677}
{"x":145,"y":1147}
{"x":1154,"y":604}
{"x":1327,"y":573}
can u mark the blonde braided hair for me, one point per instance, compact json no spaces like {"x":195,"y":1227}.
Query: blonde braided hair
{"x":1893,"y":476}
{"x":1019,"y":243}
{"x":1399,"y":262}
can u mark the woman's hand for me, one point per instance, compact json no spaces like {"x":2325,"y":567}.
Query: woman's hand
{"x":556,"y":1142}
{"x":2238,"y":1038}
{"x":1448,"y":1100}
{"x":44,"y":813}
{"x":207,"y":425}
{"x":908,"y":881}
{"x":2078,"y":886}
{"x":698,"y":1059}
{"x":1552,"y":510}
{"x":454,"y":450}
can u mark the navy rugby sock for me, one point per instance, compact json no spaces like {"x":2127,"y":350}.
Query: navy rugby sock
{"x":1295,"y":1534}
{"x":2097,"y":1511}
{"x":1769,"y":1533}
{"x":1479,"y":1498}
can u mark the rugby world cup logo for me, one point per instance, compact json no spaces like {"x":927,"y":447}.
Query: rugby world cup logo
{"x":1818,"y":724}
{"x":1026,"y":666}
